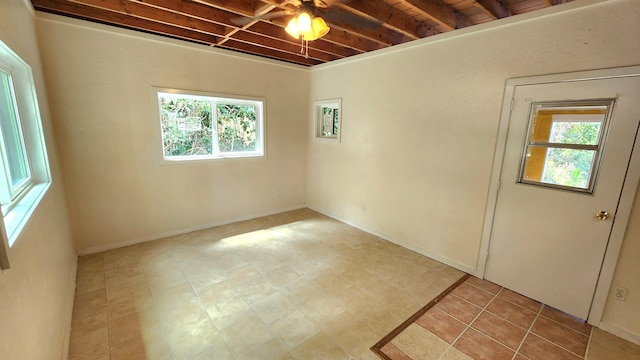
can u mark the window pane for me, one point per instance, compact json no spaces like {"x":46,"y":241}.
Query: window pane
{"x":186,"y":125}
{"x":236,"y":128}
{"x":572,"y":132}
{"x":12,"y":135}
{"x":568,"y":167}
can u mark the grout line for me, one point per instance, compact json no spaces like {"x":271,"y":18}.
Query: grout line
{"x":483,"y":309}
{"x":538,"y":314}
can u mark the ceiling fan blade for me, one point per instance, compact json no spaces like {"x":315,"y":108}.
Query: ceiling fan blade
{"x":245,"y":20}
{"x":337,"y":17}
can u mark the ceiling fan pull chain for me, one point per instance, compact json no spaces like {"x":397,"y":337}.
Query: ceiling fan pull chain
{"x":306,"y":54}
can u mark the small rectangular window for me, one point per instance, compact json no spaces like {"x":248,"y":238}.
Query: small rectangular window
{"x":564,"y":144}
{"x":200,"y":126}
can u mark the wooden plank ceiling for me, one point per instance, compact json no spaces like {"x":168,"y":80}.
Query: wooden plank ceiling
{"x":357,"y":26}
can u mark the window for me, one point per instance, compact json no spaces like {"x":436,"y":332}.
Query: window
{"x":200,"y":126}
{"x":564,"y":144}
{"x":328,"y":116}
{"x":24,"y":170}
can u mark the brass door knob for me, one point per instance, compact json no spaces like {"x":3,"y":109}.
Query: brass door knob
{"x":602,"y":215}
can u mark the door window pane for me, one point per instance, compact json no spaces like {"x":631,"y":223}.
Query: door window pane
{"x":564,"y":144}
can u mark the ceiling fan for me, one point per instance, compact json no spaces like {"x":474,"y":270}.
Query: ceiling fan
{"x":309,"y":19}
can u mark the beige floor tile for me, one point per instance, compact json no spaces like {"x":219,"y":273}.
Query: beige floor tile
{"x":92,"y":345}
{"x":362,"y":351}
{"x":273,"y":307}
{"x":173,"y":295}
{"x":127,"y":304}
{"x":229,"y":312}
{"x":282,"y":276}
{"x":246,"y":335}
{"x":203,"y":277}
{"x":133,"y":326}
{"x":271,"y":350}
{"x":243,"y":274}
{"x":322,"y":308}
{"x":300,"y":291}
{"x":254,"y":291}
{"x":193,"y":338}
{"x":149,"y":345}
{"x":294,"y":329}
{"x":418,"y":343}
{"x":120,"y":257}
{"x":182,"y":314}
{"x":320,"y":347}
{"x":124,"y":272}
{"x":88,"y":321}
{"x":217,"y":293}
{"x":225,"y":261}
{"x":605,"y":346}
{"x":164,"y":278}
{"x":380,"y":320}
{"x":88,"y":281}
{"x":90,"y":301}
{"x":127,"y":286}
{"x":218,"y":351}
{"x":90,"y":263}
{"x":347,"y":331}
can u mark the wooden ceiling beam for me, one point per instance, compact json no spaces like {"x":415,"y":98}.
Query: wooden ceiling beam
{"x":139,"y":10}
{"x":85,"y":12}
{"x":391,"y":17}
{"x":240,"y":7}
{"x":264,"y":52}
{"x":437,"y":11}
{"x":283,"y":46}
{"x":382,"y":35}
{"x":493,"y":8}
{"x":194,"y":9}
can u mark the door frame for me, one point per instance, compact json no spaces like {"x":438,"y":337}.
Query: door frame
{"x":627,"y":197}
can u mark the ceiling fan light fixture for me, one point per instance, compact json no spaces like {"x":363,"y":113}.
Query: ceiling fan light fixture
{"x":306,"y":26}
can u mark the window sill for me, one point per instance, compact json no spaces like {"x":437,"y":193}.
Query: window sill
{"x":211,"y":158}
{"x":17,"y":217}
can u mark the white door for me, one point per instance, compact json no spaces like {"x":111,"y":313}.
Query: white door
{"x":567,"y":152}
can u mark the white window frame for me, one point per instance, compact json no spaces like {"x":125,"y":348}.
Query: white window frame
{"x":215,"y":98}
{"x":19,"y":203}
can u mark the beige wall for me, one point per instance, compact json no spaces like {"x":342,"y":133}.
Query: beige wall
{"x":99,"y":82}
{"x":36,"y":293}
{"x":420,"y":123}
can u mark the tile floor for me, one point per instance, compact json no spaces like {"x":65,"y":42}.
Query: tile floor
{"x":479,"y":320}
{"x":296,"y":285}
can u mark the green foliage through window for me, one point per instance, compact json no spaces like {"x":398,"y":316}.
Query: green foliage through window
{"x":571,"y":167}
{"x":189,"y":129}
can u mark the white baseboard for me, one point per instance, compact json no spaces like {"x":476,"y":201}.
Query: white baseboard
{"x":66,"y":327}
{"x":115,"y":245}
{"x":396,"y":241}
{"x":620,"y":332}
